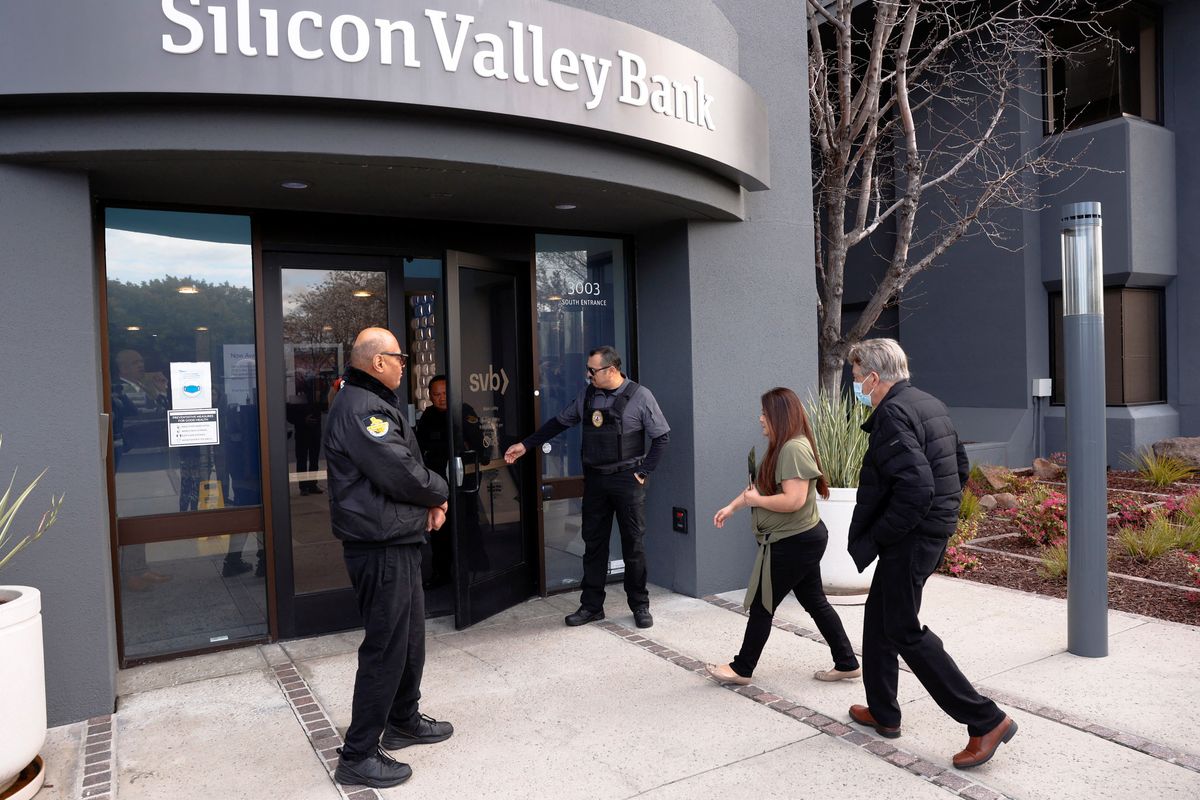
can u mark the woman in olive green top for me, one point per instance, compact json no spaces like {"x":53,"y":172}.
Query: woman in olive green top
{"x":791,"y":540}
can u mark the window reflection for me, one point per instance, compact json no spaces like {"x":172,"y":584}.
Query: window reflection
{"x":180,"y":298}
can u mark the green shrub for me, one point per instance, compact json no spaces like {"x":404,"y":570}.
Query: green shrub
{"x":970,"y":508}
{"x":841,"y":442}
{"x":1188,"y":536}
{"x":1148,"y":543}
{"x":1054,"y":561}
{"x":958,"y":559}
{"x":1159,"y":470}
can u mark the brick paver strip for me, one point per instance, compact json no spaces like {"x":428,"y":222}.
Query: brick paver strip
{"x":1153,"y":749}
{"x":814,"y":719}
{"x":318,"y":728}
{"x":99,"y":758}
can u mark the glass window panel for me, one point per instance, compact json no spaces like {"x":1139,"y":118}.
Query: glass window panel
{"x":180,"y":292}
{"x":562,"y":526}
{"x":192,"y":594}
{"x":323,"y":311}
{"x":582,"y":288}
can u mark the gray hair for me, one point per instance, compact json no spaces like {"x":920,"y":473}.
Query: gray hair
{"x":883,"y":356}
{"x":610,"y":355}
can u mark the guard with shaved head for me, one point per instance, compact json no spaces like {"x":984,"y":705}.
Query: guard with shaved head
{"x":383,"y":502}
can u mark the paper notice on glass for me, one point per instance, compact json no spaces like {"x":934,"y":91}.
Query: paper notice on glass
{"x":193,"y":427}
{"x":191,"y":384}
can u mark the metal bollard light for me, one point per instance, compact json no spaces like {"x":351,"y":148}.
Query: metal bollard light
{"x":1087,"y":499}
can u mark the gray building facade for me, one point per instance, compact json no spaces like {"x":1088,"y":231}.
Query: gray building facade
{"x":151,"y":156}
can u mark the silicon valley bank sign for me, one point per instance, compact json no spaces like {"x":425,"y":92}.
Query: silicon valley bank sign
{"x":531,"y":59}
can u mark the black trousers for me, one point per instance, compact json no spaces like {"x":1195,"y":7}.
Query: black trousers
{"x":308,"y":450}
{"x":891,"y":628}
{"x":796,"y":567}
{"x":387,"y":686}
{"x":603,"y":496}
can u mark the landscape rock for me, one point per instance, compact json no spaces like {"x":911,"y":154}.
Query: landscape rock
{"x":1046,"y":470}
{"x":987,"y":502}
{"x":997,"y":477}
{"x":1006,"y":501}
{"x":1184,"y":448}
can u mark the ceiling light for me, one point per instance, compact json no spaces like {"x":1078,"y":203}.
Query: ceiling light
{"x":361,"y":293}
{"x":565,"y":206}
{"x":201,"y":328}
{"x":133,"y":327}
{"x":189,"y":289}
{"x":554,"y":297}
{"x":440,"y":195}
{"x":326,"y":327}
{"x":294,"y":184}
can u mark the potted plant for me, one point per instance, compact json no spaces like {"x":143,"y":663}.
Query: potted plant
{"x":22,"y":672}
{"x":837,"y":422}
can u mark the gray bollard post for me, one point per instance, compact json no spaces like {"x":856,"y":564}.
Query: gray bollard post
{"x":1087,"y":497}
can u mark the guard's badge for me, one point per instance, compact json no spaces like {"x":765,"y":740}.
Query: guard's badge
{"x":376,"y":427}
{"x":473,"y":420}
{"x":597,"y":418}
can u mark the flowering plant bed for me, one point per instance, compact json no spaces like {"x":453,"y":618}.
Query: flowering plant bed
{"x":1153,"y":538}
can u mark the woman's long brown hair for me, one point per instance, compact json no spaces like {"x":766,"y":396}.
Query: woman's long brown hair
{"x":785,"y":421}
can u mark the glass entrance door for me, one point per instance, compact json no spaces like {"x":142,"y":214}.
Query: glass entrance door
{"x":492,"y":513}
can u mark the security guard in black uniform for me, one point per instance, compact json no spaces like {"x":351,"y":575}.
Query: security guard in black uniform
{"x":382,"y":503}
{"x":617,"y":415}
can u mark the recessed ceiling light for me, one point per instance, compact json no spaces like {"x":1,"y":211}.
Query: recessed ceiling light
{"x":554,"y":297}
{"x":361,"y":293}
{"x":326,"y":327}
{"x":201,"y":328}
{"x":294,"y":184}
{"x":440,"y":195}
{"x":565,"y":206}
{"x":133,"y":327}
{"x":189,"y":289}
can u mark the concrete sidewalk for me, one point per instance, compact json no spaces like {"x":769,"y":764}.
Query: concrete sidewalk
{"x":608,"y":711}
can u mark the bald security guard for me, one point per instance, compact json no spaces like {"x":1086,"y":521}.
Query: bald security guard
{"x":617,"y":416}
{"x":382,"y":504}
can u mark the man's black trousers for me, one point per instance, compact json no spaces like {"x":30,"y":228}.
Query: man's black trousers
{"x":603,"y":496}
{"x":891,"y":628}
{"x":387,"y":686}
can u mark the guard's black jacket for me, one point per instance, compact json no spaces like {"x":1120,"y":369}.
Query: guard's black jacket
{"x":379,"y":489}
{"x":912,"y":475}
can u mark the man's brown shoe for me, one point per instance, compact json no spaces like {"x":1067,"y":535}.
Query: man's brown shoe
{"x":862,"y":715}
{"x":980,"y":749}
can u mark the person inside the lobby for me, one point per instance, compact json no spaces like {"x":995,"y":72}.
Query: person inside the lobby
{"x":617,"y":416}
{"x":782,"y":498}
{"x":433,"y":433}
{"x":139,"y":408}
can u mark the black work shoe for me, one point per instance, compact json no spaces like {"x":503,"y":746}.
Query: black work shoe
{"x":234,"y":567}
{"x":426,"y":730}
{"x":583,"y":617}
{"x":378,"y":770}
{"x":642,"y":617}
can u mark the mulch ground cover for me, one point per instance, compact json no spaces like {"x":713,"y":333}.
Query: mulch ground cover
{"x":1170,"y":602}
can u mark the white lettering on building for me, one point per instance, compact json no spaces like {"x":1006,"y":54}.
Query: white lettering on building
{"x":518,"y":53}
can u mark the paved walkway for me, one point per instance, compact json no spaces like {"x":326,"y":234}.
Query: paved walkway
{"x":608,"y":711}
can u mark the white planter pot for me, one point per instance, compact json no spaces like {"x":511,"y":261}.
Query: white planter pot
{"x":838,"y":573}
{"x":22,"y":681}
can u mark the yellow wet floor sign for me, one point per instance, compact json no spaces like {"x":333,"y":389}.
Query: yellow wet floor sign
{"x":210,"y":496}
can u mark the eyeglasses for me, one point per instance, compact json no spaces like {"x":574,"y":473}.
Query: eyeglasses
{"x":591,"y":371}
{"x":402,"y":356}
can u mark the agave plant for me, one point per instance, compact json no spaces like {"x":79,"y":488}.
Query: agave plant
{"x":9,"y":505}
{"x":841,"y":442}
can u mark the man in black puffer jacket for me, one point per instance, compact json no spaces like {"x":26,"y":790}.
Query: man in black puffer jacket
{"x":909,"y":491}
{"x":382,"y":503}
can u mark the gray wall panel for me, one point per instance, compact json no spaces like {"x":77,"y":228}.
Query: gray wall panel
{"x":51,"y":401}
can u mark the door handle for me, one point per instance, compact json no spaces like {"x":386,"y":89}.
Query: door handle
{"x":458,"y":472}
{"x":473,"y":455}
{"x":547,"y":491}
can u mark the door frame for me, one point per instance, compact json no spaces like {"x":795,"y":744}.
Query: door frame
{"x":334,"y":609}
{"x":517,"y":588}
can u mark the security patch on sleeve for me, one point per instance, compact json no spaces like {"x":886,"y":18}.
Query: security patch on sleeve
{"x":376,"y":427}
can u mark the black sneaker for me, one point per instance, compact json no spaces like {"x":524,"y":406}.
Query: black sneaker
{"x":642,"y":617}
{"x":234,"y":567}
{"x":378,"y":770}
{"x":583,"y":617}
{"x":426,"y":730}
